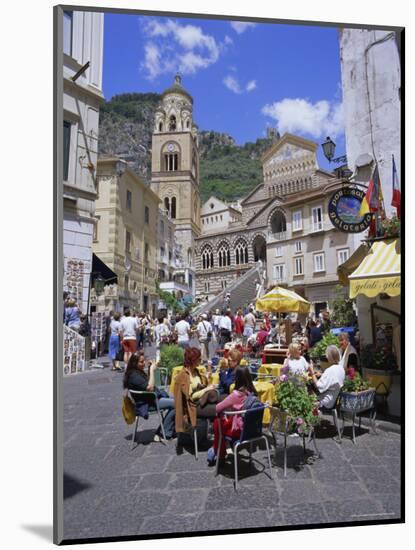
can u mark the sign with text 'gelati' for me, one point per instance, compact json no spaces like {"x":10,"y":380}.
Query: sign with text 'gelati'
{"x":344,"y":208}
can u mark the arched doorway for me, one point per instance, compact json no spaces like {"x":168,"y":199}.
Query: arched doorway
{"x":259,"y":246}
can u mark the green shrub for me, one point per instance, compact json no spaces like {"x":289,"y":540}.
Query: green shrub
{"x":171,"y":356}
{"x":319,"y":350}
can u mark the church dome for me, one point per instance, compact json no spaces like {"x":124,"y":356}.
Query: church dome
{"x":177,"y":88}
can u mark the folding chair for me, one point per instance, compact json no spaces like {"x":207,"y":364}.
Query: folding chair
{"x":150,"y":398}
{"x":280,"y":421}
{"x":251,"y":432}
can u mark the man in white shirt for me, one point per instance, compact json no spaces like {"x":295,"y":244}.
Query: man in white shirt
{"x":204,"y":332}
{"x":332,"y":379}
{"x":182,"y":329}
{"x":161,"y":333}
{"x":129,"y":327}
{"x":215,"y":321}
{"x":225,"y":329}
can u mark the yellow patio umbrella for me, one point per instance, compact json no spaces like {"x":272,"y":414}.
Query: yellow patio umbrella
{"x":282,"y":300}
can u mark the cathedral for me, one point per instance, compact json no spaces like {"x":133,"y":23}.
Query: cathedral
{"x":283,"y":221}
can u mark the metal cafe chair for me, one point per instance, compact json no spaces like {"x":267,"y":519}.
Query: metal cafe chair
{"x":150,"y":398}
{"x":280,"y":421}
{"x":251,"y":432}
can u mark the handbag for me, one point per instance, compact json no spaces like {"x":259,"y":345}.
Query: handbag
{"x":120,"y":354}
{"x":128,"y":409}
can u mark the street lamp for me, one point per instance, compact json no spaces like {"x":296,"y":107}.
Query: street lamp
{"x":328,"y":148}
{"x":99,"y":283}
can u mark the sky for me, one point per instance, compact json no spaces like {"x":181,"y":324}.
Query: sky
{"x":243,"y":77}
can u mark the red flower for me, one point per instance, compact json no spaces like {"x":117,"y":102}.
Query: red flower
{"x":315,"y":411}
{"x":351,"y":373}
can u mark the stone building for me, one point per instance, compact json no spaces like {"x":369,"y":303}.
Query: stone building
{"x":175,"y":169}
{"x":82,"y":42}
{"x":125,"y":236}
{"x":283,"y":222}
{"x":371,"y":86}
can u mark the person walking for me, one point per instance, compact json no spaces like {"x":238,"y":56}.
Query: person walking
{"x":204,"y":332}
{"x":114,"y":343}
{"x":225,"y":329}
{"x":162,"y":336}
{"x":182,"y":330}
{"x":239,"y":324}
{"x":249,"y":322}
{"x":129,"y":327}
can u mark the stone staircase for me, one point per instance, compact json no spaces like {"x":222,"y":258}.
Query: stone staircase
{"x":242,"y":292}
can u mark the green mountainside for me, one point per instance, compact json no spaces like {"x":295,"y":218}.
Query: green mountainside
{"x":227,"y":170}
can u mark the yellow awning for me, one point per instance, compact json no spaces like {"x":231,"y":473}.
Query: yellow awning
{"x":380,"y":271}
{"x":346,"y":269}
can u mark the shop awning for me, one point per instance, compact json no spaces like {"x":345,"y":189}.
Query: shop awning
{"x":101,"y":268}
{"x":379,"y":272}
{"x":346,"y":269}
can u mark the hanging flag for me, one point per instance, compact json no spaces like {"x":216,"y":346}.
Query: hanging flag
{"x":373,"y":203}
{"x":396,"y":193}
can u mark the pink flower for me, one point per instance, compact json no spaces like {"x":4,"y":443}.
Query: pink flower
{"x":351,"y":373}
{"x":300,"y":421}
{"x":283,"y":378}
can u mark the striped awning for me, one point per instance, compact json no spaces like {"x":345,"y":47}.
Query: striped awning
{"x":379,"y":272}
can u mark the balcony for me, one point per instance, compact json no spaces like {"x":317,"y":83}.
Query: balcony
{"x":281,"y":236}
{"x":174,"y":286}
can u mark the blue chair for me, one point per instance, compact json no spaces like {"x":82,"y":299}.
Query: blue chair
{"x":150,"y":398}
{"x":251,"y":432}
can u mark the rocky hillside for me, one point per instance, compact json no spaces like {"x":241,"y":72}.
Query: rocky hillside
{"x":227,"y":170}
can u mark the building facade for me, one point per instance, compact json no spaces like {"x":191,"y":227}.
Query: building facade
{"x":283,"y":222}
{"x":82,"y":42}
{"x":175,"y":169}
{"x":371,"y":85}
{"x":125,"y":236}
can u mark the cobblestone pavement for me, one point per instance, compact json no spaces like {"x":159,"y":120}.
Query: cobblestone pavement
{"x":111,"y":490}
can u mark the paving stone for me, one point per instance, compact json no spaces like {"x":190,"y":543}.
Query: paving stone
{"x":377,"y":480}
{"x":153,"y":481}
{"x":354,"y":510}
{"x":343,"y":490}
{"x":294,"y":491}
{"x":302,"y":514}
{"x":170,"y":523}
{"x":145,"y":465}
{"x":224,"y":498}
{"x":188,"y":500}
{"x":206,"y":478}
{"x":244,"y":519}
{"x":329,"y":472}
{"x":391,"y":504}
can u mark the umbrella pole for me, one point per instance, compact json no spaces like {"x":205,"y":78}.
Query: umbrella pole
{"x":279,"y":332}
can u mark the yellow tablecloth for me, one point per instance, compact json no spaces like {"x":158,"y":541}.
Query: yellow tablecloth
{"x":266,"y":393}
{"x":176,"y":371}
{"x":273,"y":369}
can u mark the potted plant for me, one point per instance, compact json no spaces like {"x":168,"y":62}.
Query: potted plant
{"x":318,"y":351}
{"x":356,"y":394}
{"x":378,"y":366}
{"x":391,"y":227}
{"x":171,"y":356}
{"x":294,"y":400}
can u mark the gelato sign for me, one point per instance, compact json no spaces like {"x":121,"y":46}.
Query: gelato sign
{"x":344,"y":208}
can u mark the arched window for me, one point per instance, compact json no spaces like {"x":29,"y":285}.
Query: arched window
{"x":278,"y":222}
{"x":172,"y":123}
{"x":167,"y":204}
{"x":188,"y":124}
{"x":241,"y":252}
{"x":160,"y":127}
{"x":173,"y":208}
{"x":224,"y":255}
{"x":189,"y":257}
{"x":207,"y":257}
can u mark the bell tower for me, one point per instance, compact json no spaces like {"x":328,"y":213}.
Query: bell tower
{"x":175,"y":166}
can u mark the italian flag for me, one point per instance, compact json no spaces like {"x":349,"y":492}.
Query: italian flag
{"x":396,"y":193}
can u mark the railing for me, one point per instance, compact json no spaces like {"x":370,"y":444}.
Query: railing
{"x":219,"y":299}
{"x":281,"y":236}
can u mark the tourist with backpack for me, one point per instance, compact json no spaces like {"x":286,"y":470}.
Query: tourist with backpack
{"x":232,"y":426}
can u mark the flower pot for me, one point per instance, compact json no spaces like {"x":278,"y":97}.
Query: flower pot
{"x":381,"y":380}
{"x":356,"y":402}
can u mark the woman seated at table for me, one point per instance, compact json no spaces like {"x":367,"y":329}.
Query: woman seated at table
{"x":227,"y":376}
{"x":189,"y":387}
{"x":232,"y":426}
{"x":261,"y":337}
{"x":295,"y":362}
{"x":136,"y":378}
{"x":331,"y":381}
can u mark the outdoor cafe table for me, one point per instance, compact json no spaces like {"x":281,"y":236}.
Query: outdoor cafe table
{"x":273,"y":369}
{"x":266,"y":393}
{"x":213,"y":380}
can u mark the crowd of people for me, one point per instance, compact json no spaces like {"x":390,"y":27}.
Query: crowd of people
{"x":194,"y":395}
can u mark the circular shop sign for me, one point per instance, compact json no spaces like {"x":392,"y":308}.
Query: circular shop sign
{"x":344,"y":207}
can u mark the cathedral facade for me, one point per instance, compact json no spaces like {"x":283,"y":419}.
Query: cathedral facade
{"x":283,"y":221}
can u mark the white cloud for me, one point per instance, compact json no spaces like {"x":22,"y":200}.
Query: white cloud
{"x":240,"y":26}
{"x":176,"y":47}
{"x":232,"y":84}
{"x":300,"y":116}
